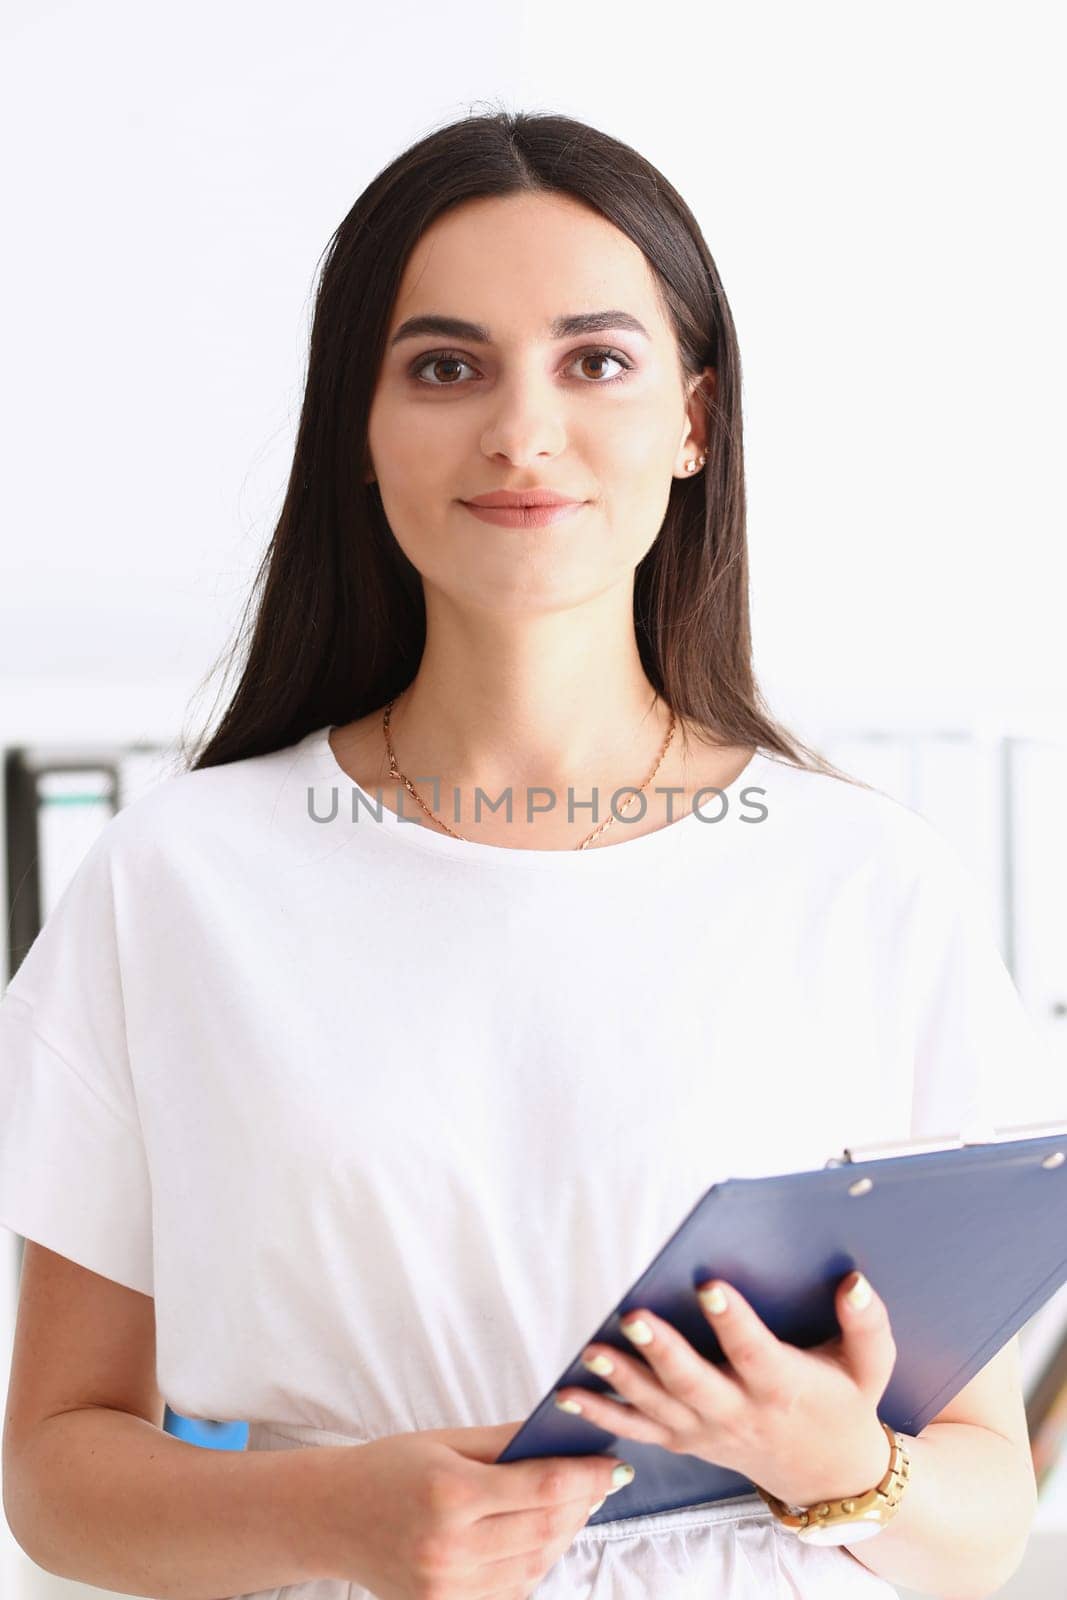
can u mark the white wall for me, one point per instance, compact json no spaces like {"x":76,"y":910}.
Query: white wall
{"x":876,"y":187}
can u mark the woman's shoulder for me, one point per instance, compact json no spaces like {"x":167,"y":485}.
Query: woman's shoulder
{"x":835,"y":816}
{"x":225,"y":807}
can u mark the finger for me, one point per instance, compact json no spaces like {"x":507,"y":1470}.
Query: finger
{"x":525,"y":1537}
{"x":682,"y":1374}
{"x":479,"y":1443}
{"x":536,"y":1480}
{"x":634,"y":1380}
{"x":758,"y":1359}
{"x":625,"y":1421}
{"x":868,"y":1348}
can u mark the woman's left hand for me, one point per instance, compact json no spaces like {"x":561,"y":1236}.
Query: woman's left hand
{"x":803,"y":1424}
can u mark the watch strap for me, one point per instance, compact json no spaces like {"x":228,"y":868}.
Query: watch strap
{"x":875,"y":1505}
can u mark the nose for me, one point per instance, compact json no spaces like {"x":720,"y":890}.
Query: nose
{"x":527,"y":421}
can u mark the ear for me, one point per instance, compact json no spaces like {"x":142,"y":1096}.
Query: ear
{"x":702,"y":390}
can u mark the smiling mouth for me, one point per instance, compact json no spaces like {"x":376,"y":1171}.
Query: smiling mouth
{"x":520,"y":498}
{"x":525,"y":516}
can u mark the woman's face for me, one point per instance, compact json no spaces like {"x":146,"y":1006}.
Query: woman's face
{"x":600,"y":415}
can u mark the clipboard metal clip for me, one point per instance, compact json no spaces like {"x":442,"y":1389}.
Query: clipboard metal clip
{"x":916,"y":1147}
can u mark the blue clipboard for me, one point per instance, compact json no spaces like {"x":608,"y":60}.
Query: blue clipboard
{"x":964,"y":1242}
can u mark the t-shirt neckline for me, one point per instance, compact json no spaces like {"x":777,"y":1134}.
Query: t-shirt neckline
{"x":644,"y":847}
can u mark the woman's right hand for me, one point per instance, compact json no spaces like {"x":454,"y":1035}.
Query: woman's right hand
{"x":432,"y":1515}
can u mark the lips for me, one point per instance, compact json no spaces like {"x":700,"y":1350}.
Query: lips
{"x":515,"y":499}
{"x":526,"y":516}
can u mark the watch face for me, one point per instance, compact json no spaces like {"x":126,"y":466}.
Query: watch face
{"x":840,"y":1532}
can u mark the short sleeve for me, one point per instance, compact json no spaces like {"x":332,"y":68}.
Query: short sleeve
{"x":980,"y":1061}
{"x":73,"y":1170}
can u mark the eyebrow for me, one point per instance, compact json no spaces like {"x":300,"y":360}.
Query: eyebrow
{"x":477,"y":333}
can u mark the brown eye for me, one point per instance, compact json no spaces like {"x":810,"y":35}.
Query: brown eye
{"x":450,"y":358}
{"x":442,"y":360}
{"x":603,"y":355}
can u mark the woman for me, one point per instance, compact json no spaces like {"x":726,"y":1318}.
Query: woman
{"x":498,"y":918}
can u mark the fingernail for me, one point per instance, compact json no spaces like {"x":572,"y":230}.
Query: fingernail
{"x":622,"y":1475}
{"x":859,"y":1295}
{"x":713,"y":1300}
{"x":568,"y":1405}
{"x":599,"y":1364}
{"x":598,"y":1505}
{"x":638,"y":1330}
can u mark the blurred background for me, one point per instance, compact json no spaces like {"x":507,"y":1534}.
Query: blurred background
{"x":876,"y":186}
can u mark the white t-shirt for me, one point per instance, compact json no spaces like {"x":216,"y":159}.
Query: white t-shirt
{"x":386,"y":1121}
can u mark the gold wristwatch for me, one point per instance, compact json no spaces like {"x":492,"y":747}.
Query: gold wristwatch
{"x":859,"y":1516}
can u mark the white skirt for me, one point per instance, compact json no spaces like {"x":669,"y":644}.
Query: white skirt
{"x":727,"y":1550}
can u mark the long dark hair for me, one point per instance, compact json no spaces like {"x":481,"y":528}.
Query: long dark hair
{"x":336,"y":622}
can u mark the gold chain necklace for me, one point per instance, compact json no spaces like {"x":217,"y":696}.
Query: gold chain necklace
{"x":395,"y":772}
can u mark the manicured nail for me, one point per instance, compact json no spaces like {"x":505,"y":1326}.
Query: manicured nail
{"x":638,"y":1330}
{"x":599,"y":1364}
{"x":622,"y":1475}
{"x":713,"y":1300}
{"x":598,"y":1505}
{"x":859,"y":1296}
{"x":568,"y":1405}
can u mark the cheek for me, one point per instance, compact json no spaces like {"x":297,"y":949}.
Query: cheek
{"x":634,"y":467}
{"x":640,"y":443}
{"x":644,"y":453}
{"x":636,"y":508}
{"x":414,"y":459}
{"x":401,"y":448}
